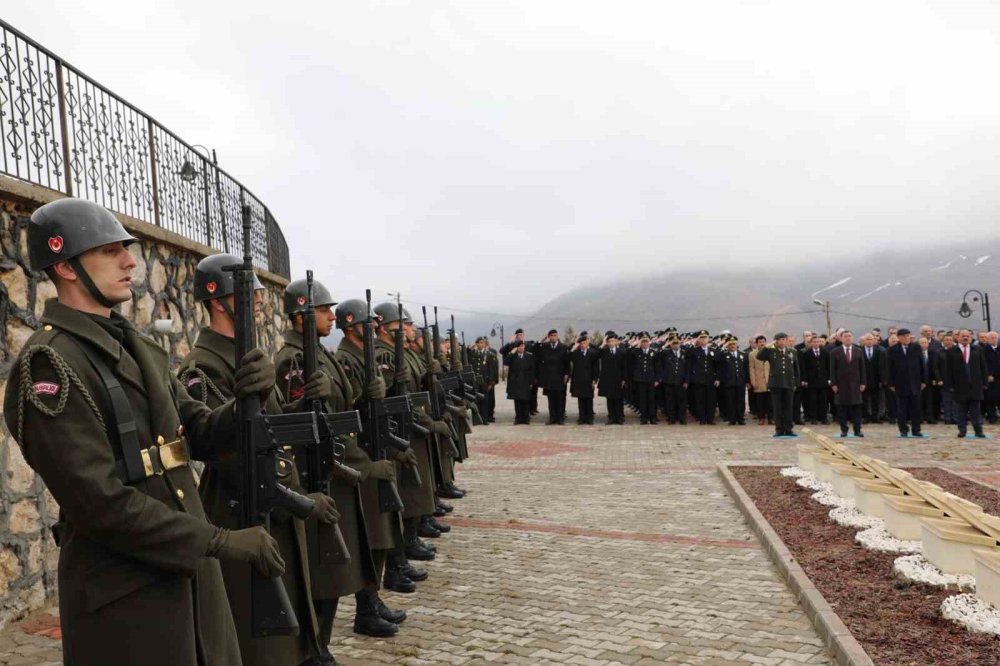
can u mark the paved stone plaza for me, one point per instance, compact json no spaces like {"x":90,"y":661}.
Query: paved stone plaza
{"x":600,"y":545}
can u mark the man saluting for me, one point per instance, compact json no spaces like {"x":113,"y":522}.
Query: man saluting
{"x":100,"y":417}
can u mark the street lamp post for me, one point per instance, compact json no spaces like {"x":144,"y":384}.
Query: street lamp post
{"x":965,"y":311}
{"x":826,"y":308}
{"x":188,"y":173}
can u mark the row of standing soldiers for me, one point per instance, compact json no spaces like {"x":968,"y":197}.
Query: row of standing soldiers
{"x":154,"y":566}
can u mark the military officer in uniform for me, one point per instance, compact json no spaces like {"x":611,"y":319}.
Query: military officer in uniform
{"x":209,"y":374}
{"x":783,"y":378}
{"x":644,"y":371}
{"x":487,"y":367}
{"x":520,"y":379}
{"x":101,"y":419}
{"x":585,"y":370}
{"x":733,"y":372}
{"x":332,"y":580}
{"x":675,"y":381}
{"x":701,"y":379}
{"x":529,"y":347}
{"x":552,"y":374}
{"x":611,"y":383}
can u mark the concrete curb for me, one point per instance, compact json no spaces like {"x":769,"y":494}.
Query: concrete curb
{"x":838,"y":638}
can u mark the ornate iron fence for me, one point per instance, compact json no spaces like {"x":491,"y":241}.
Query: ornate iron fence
{"x":62,"y":130}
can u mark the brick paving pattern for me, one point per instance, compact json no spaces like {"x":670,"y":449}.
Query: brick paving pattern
{"x":600,"y":545}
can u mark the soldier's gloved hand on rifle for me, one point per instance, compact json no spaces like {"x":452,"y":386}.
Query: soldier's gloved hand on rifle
{"x":375,"y":389}
{"x":435,"y":366}
{"x":423,"y":419}
{"x":382,"y":470}
{"x":408,"y":458}
{"x":253,"y":545}
{"x":324,"y":508}
{"x":440,"y":428}
{"x":318,"y":387}
{"x":401,"y":377}
{"x":256,"y":375}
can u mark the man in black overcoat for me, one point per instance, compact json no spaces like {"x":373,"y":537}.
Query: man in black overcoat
{"x":552,"y":375}
{"x":585,"y":370}
{"x":906,"y":381}
{"x":814,"y":361}
{"x":966,"y":377}
{"x":991,"y":399}
{"x":520,"y":378}
{"x":733,"y":372}
{"x":611,"y":383}
{"x":675,"y":381}
{"x":848,"y":373}
{"x":701,"y":379}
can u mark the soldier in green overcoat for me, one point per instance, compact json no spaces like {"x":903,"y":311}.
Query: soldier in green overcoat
{"x":100,"y":417}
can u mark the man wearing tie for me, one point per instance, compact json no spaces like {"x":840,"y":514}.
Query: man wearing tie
{"x":992,"y":397}
{"x":906,"y":381}
{"x":848,"y":370}
{"x":675,"y":380}
{"x":611,"y":382}
{"x":966,"y":378}
{"x":733,"y":372}
{"x":815,"y":379}
{"x":871,"y":396}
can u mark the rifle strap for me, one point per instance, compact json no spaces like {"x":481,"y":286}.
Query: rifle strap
{"x":129,"y":467}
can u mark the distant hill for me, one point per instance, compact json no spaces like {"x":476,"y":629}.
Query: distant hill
{"x":906,"y":287}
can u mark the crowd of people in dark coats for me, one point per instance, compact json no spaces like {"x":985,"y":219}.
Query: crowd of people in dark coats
{"x":943,"y":376}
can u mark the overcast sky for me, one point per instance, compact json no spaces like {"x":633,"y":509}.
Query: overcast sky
{"x":492,"y":154}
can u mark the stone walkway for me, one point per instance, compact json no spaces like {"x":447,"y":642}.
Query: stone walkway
{"x":600,"y":545}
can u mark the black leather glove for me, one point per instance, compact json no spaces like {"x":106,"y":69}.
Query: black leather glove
{"x":382,"y":470}
{"x":318,"y":387}
{"x":256,"y":375}
{"x":253,"y":545}
{"x":375,"y":389}
{"x":324,"y":509}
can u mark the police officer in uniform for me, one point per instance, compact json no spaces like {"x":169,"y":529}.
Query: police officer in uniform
{"x":783,"y":378}
{"x":675,"y":381}
{"x":99,"y":416}
{"x":701,"y":379}
{"x":332,"y":580}
{"x":552,"y":374}
{"x":733,"y":372}
{"x":644,"y":371}
{"x":209,"y":373}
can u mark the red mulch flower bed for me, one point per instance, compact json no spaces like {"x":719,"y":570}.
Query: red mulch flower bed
{"x":896,"y":622}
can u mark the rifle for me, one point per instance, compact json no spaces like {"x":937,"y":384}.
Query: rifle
{"x":452,"y":346}
{"x":437,"y":333}
{"x":327,"y":453}
{"x":428,"y":381}
{"x":465,"y":352}
{"x":260,"y":438}
{"x":376,"y":431}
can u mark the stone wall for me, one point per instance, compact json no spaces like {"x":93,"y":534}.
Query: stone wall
{"x":163,"y":290}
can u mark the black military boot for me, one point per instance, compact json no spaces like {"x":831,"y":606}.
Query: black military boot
{"x":439,"y":526}
{"x":447,"y":492}
{"x":426,"y":530}
{"x":443,"y":507}
{"x":397,"y":559}
{"x":388,"y":614}
{"x":455,"y":488}
{"x":415,"y":548}
{"x":395,"y":579}
{"x":368,"y":621}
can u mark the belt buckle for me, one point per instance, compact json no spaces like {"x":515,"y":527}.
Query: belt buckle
{"x":169,"y":457}
{"x":151,"y":463}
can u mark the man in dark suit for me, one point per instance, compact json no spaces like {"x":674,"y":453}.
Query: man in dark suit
{"x":948,"y":408}
{"x":733,"y":371}
{"x":520,"y":378}
{"x":529,"y":346}
{"x":701,"y":379}
{"x":966,"y":378}
{"x":611,"y":380}
{"x":815,"y":365}
{"x":848,"y":372}
{"x":675,"y":381}
{"x":930,"y":396}
{"x":992,"y":398}
{"x":871,"y":397}
{"x":552,"y":370}
{"x":644,"y":371}
{"x":906,"y":381}
{"x":585,"y":370}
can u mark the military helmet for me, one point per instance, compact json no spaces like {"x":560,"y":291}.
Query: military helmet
{"x":388,"y":312}
{"x":297,"y":295}
{"x":350,"y":312}
{"x":211,"y":281}
{"x":66,"y":228}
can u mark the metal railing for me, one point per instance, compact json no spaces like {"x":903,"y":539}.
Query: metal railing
{"x":62,"y":130}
